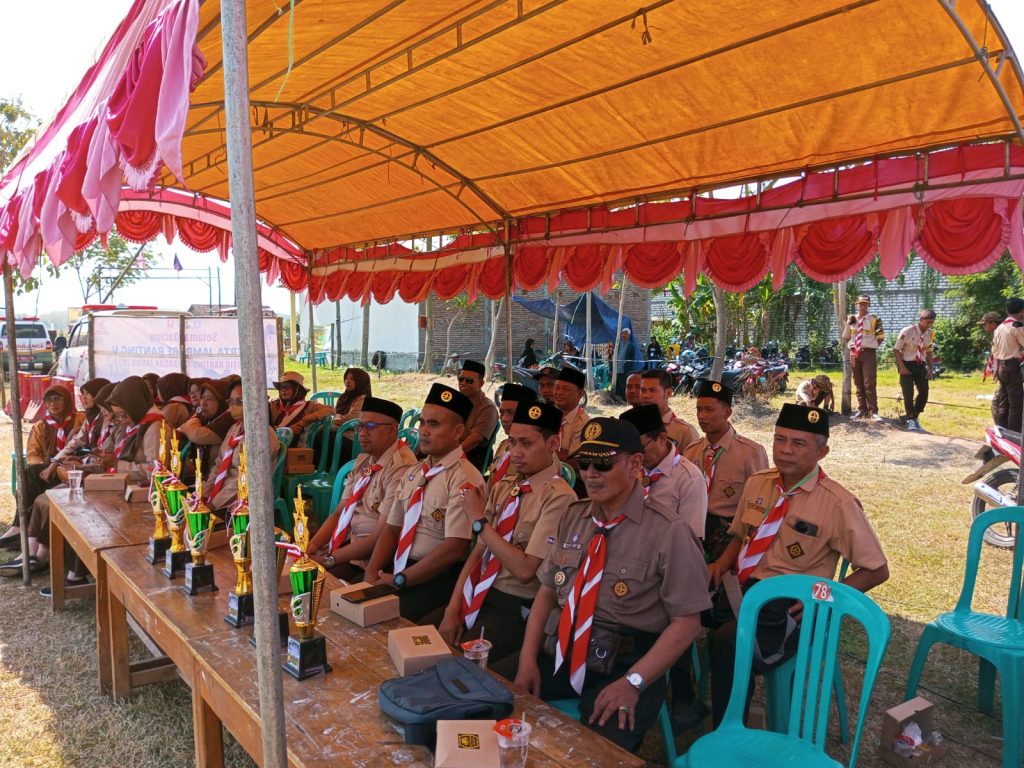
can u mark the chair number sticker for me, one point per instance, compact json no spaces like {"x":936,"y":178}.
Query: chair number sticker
{"x":822,"y":591}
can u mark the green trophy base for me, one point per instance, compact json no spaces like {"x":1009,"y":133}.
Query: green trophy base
{"x":240,"y":610}
{"x":198,"y":579}
{"x":306,"y":658}
{"x":157,"y":549}
{"x":174,"y":563}
{"x":282,"y":629}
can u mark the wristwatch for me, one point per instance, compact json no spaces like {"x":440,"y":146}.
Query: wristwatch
{"x":636,"y":680}
{"x":399,"y":581}
{"x":329,"y":561}
{"x":478,"y":525}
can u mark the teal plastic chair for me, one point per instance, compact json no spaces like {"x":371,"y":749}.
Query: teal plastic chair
{"x":826,"y":603}
{"x":410,"y":419}
{"x":339,"y":484}
{"x":14,"y":477}
{"x":318,"y":430}
{"x":568,"y":474}
{"x":325,"y":396}
{"x":282,"y":519}
{"x":411,"y":437}
{"x":492,"y":442}
{"x":318,"y":488}
{"x":285,"y":436}
{"x":997,"y":641}
{"x":571,"y":707}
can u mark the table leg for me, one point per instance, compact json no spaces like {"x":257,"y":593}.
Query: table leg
{"x":209,"y":738}
{"x":103,"y":644}
{"x":117,"y":648}
{"x":57,"y":569}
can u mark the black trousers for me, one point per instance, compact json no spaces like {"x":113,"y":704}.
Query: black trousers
{"x":918,"y":377}
{"x":501,"y":619}
{"x":1011,"y":406}
{"x":417,"y":602}
{"x":556,"y":686}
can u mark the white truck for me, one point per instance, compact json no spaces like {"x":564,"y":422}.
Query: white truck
{"x":116,"y":343}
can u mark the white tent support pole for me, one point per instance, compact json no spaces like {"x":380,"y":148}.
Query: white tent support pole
{"x":508,"y":302}
{"x":19,"y":450}
{"x":588,"y":352}
{"x":293,"y":326}
{"x":254,"y":382}
{"x":618,"y":333}
{"x":556,"y":345}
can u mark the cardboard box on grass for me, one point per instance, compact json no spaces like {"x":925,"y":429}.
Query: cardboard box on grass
{"x":413,"y":649}
{"x":105,"y":481}
{"x":921,"y":711}
{"x":366,"y":613}
{"x":466,"y":744}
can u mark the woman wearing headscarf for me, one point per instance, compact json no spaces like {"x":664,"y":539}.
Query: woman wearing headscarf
{"x":207,"y":430}
{"x":111,"y":431}
{"x":358,"y":387}
{"x":151,"y":379}
{"x":86,"y":437}
{"x":173,"y":391}
{"x":528,"y":357}
{"x":195,"y":392}
{"x":139,"y":445}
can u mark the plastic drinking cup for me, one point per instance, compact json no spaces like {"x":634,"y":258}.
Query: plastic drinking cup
{"x":477,"y":650}
{"x":513,"y":742}
{"x":75,"y":480}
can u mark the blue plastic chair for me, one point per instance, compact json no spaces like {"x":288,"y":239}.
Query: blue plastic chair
{"x":997,"y":641}
{"x":409,"y":419}
{"x":325,"y":396}
{"x":318,"y":488}
{"x":411,"y":437}
{"x":826,"y":603}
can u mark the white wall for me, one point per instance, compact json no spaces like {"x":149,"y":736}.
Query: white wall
{"x":393,"y":329}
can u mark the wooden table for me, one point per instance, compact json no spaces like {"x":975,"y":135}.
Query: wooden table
{"x":91,"y":523}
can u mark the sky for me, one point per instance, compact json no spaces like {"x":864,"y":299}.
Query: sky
{"x":42,"y":62}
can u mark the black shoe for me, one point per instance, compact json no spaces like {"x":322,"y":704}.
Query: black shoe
{"x":687,"y":716}
{"x":47,"y":591}
{"x":13,"y":568}
{"x":11,"y":543}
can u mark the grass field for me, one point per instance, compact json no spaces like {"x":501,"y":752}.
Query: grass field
{"x":53,"y":715}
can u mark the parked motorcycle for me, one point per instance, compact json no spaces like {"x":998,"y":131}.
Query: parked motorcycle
{"x":998,"y":486}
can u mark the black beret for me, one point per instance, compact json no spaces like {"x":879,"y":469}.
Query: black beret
{"x":603,"y":438}
{"x":573,"y":376}
{"x":517,"y":393}
{"x":383,"y":407}
{"x":804,"y":419}
{"x":547,"y":370}
{"x":474,"y":367}
{"x":449,"y":398}
{"x":646,"y":419}
{"x":540,"y":415}
{"x":708,"y":388}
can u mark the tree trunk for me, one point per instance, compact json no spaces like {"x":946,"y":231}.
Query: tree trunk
{"x":364,"y":355}
{"x":721,"y":328}
{"x":839,"y":305}
{"x":618,"y":334}
{"x":493,"y":346}
{"x":448,"y":337}
{"x":427,"y":365}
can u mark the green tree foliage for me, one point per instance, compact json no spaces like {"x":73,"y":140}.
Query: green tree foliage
{"x":17,"y":126}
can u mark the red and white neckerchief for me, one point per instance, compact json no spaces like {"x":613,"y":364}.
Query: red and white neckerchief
{"x":340,"y":535}
{"x":131,"y":431}
{"x":990,"y":366}
{"x":578,"y":612}
{"x":104,"y":433}
{"x":61,"y":428}
{"x":89,"y":426}
{"x":501,"y":468}
{"x":180,"y":399}
{"x":921,"y":346}
{"x":412,"y":516}
{"x":754,"y":548}
{"x":224,"y":468}
{"x":656,"y":474}
{"x":711,"y":456}
{"x":288,"y":413}
{"x":858,"y":338}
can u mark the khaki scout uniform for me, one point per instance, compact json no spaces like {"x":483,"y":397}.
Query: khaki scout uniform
{"x":483,"y":419}
{"x":1007,"y":349}
{"x":396,"y":462}
{"x":572,"y":428}
{"x":681,"y":433}
{"x":229,"y":491}
{"x":865,"y":365}
{"x":683,"y":489}
{"x":910,"y":339}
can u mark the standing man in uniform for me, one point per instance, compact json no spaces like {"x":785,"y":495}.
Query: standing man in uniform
{"x":1008,"y":349}
{"x":483,"y":421}
{"x":514,"y":527}
{"x":656,"y":388}
{"x":622,"y":588}
{"x":863,"y":335}
{"x":629,"y":360}
{"x":546,"y":378}
{"x":913,"y":353}
{"x":420,"y":549}
{"x":511,"y":396}
{"x":633,"y":390}
{"x":989,"y":322}
{"x":346,"y":540}
{"x":790,"y":519}
{"x":568,"y":393}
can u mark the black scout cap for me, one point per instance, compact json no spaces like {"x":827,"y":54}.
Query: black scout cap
{"x":573,"y":376}
{"x":540,"y":415}
{"x":474,"y":367}
{"x":383,"y":407}
{"x":547,"y":370}
{"x":804,"y":419}
{"x":517,"y":393}
{"x":708,"y":388}
{"x":449,"y":398}
{"x":603,"y":438}
{"x":646,"y":419}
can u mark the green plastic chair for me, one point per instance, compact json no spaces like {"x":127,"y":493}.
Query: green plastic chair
{"x":325,"y":396}
{"x":411,"y":437}
{"x":568,"y":474}
{"x":997,"y":641}
{"x":339,"y":483}
{"x":409,"y":419}
{"x":826,"y":603}
{"x":318,"y":488}
{"x":14,"y":477}
{"x":491,"y":444}
{"x":317,"y":430}
{"x":283,"y":520}
{"x":285,"y":436}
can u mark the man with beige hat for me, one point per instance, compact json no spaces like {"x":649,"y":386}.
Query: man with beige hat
{"x":863,"y":335}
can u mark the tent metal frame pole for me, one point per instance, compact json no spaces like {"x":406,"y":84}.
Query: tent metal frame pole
{"x":19,"y":449}
{"x":249,"y":299}
{"x":508,"y":301}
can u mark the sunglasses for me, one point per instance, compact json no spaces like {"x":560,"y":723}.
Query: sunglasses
{"x":369,"y":426}
{"x":600,"y":465}
{"x":468,"y":380}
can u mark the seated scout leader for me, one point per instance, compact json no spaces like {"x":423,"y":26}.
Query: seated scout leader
{"x":345,"y":541}
{"x":420,"y":549}
{"x":483,"y":419}
{"x":514,"y":526}
{"x":622,"y":588}
{"x":511,"y":396}
{"x":790,"y":519}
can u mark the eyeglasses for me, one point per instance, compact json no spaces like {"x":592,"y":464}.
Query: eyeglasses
{"x":468,"y":380}
{"x":369,"y":426}
{"x":600,"y":465}
{"x":234,"y":401}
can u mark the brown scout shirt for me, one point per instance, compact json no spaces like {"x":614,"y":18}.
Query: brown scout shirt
{"x":540,"y":511}
{"x":654,"y":570}
{"x":483,"y":419}
{"x":681,"y":433}
{"x":836,"y":523}
{"x":571,"y":430}
{"x":444,"y":513}
{"x":380,"y":493}
{"x":683,"y":489}
{"x":740,"y":459}
{"x":1007,"y":342}
{"x":229,"y":492}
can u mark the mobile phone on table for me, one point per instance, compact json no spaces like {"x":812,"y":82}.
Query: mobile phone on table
{"x":369,"y":593}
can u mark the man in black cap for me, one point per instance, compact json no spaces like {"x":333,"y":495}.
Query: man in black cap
{"x":546,"y":378}
{"x":346,"y":540}
{"x":568,"y":392}
{"x":651,"y":585}
{"x":791,"y":519}
{"x":483,"y":420}
{"x":1007,"y":350}
{"x":514,"y":526}
{"x":511,"y":395}
{"x":427,"y":534}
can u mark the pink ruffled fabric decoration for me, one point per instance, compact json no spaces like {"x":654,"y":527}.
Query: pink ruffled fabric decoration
{"x":72,"y":176}
{"x":101,"y":187}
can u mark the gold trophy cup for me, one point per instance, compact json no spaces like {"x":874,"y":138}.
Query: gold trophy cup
{"x":240,"y":603}
{"x":174,"y":498}
{"x":161,"y":538}
{"x":199,"y":517}
{"x":307,"y":653}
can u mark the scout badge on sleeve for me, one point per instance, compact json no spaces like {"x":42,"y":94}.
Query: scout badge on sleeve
{"x":307,"y":653}
{"x":199,"y":519}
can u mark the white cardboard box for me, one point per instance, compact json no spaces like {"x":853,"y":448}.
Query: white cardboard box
{"x":364,"y":614}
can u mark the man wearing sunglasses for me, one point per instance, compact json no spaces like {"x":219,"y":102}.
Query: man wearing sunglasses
{"x":514,"y":526}
{"x":483,"y":420}
{"x":655,"y":388}
{"x":622,"y":588}
{"x":345,"y":541}
{"x":511,"y":395}
{"x":420,"y":549}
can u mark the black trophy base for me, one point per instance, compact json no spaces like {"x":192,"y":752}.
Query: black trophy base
{"x":240,"y":610}
{"x":282,"y":630}
{"x":198,"y":579}
{"x":174,"y":563}
{"x":306,"y":658}
{"x":157,"y":549}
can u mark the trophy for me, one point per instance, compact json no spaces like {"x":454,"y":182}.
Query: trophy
{"x":280,"y":537}
{"x":240,"y":605}
{"x":161,"y":538}
{"x":307,"y":653}
{"x":174,"y":499}
{"x":198,"y":573}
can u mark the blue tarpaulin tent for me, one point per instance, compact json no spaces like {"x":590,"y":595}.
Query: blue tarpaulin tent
{"x":572,"y":319}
